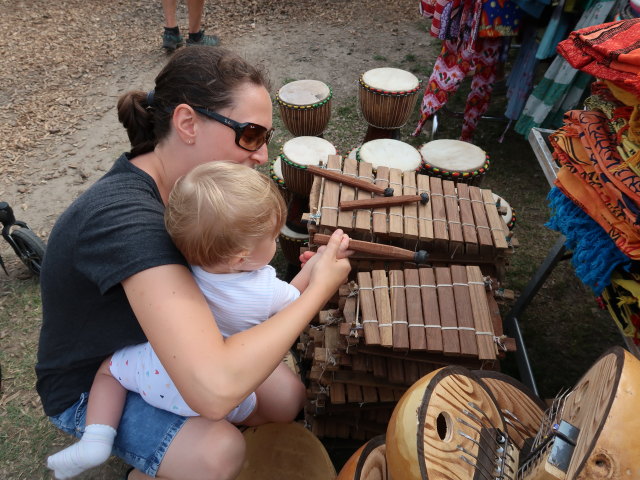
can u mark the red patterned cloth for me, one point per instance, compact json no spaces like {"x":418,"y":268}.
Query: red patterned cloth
{"x":610,"y":51}
{"x":450,"y":69}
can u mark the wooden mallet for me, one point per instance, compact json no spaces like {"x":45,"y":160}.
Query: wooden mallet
{"x":378,"y":250}
{"x":377,"y":202}
{"x":349,"y":180}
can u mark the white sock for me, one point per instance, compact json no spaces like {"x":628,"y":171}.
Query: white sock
{"x":90,"y":451}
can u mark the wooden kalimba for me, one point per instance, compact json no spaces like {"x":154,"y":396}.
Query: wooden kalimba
{"x":459,"y":223}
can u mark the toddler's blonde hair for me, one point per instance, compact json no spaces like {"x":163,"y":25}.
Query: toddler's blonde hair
{"x":220,"y":209}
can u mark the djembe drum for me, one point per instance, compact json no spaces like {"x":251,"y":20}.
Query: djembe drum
{"x":275,"y":172}
{"x":506,"y":210}
{"x":290,"y":243}
{"x":305,"y":107}
{"x":447,"y":425}
{"x":454,"y":160}
{"x":386,"y":152}
{"x":285,"y":451}
{"x":297,"y":154}
{"x":387,"y":97}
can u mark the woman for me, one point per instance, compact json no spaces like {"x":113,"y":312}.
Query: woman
{"x":111,"y":277}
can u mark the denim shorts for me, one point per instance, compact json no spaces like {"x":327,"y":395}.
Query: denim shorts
{"x":144,"y":433}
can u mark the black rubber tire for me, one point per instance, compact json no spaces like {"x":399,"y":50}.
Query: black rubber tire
{"x":31,"y":248}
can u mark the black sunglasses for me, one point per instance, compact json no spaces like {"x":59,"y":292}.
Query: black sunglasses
{"x":249,"y":136}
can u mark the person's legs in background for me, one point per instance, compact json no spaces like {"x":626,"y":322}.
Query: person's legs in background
{"x":196,"y":32}
{"x":171,"y":38}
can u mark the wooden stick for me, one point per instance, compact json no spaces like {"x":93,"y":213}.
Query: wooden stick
{"x":348,"y":180}
{"x":378,"y":250}
{"x":383,"y":201}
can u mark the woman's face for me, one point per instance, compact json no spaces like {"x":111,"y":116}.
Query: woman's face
{"x":216,"y":140}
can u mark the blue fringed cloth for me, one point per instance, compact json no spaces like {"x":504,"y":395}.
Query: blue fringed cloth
{"x":595,"y":255}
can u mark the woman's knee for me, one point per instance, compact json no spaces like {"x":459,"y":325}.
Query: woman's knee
{"x":206,"y":450}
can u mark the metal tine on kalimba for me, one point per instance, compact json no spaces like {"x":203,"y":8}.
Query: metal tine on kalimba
{"x":515,"y":428}
{"x":476,"y":407}
{"x":479,"y":421}
{"x":478,"y":466}
{"x":489,"y":454}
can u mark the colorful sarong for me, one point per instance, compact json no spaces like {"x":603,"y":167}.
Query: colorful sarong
{"x":450,"y":69}
{"x":610,"y":51}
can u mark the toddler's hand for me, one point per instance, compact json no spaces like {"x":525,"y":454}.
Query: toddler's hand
{"x":332,"y":265}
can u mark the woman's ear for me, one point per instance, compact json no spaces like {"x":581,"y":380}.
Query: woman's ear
{"x":184,"y":122}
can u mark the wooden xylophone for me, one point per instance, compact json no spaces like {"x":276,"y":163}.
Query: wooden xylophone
{"x":459,"y":223}
{"x":391,"y":329}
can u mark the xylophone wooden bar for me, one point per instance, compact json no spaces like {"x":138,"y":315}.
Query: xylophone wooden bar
{"x":379,"y":215}
{"x":482,"y":224}
{"x":363,"y":217}
{"x":417,"y":336}
{"x":499,"y":230}
{"x":464,"y":312}
{"x":410,"y":209}
{"x":396,"y":218}
{"x":447,"y":305}
{"x":331,"y":193}
{"x":430,"y":310}
{"x":439,"y":215}
{"x":454,"y":225}
{"x":425,"y":218}
{"x":368,"y":309}
{"x":466,"y":216}
{"x":398,"y":310}
{"x":345,"y":219}
{"x":383,"y":307}
{"x":481,"y":314}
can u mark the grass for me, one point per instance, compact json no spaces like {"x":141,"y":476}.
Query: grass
{"x":563,"y":329}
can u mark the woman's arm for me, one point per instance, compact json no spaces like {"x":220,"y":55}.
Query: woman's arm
{"x":213,"y":374}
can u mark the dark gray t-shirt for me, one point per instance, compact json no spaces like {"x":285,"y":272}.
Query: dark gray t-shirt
{"x":112,"y":231}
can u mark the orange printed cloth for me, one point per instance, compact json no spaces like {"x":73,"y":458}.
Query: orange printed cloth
{"x":584,"y":177}
{"x":610,"y":51}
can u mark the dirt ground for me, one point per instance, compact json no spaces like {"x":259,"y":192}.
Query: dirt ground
{"x":66,"y":63}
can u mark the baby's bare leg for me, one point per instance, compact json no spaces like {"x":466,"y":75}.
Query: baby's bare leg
{"x":280,"y":398}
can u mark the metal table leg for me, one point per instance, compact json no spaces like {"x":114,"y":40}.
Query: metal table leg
{"x":510,"y":322}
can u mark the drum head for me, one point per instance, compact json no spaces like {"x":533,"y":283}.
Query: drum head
{"x":304,"y":92}
{"x":275,"y":170}
{"x":386,"y":152}
{"x":507,"y":216}
{"x":287,"y":232}
{"x":390,"y":79}
{"x":285,"y":450}
{"x":453,"y":155}
{"x":305,"y":151}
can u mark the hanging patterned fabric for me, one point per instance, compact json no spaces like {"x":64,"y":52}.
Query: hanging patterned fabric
{"x":485,"y":62}
{"x":561,"y":83}
{"x":473,"y":32}
{"x":610,"y":51}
